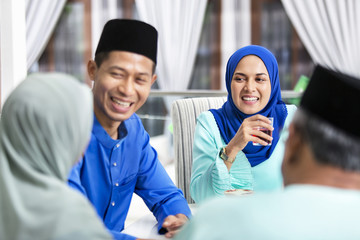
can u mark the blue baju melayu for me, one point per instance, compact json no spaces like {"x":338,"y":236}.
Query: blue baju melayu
{"x":112,"y":170}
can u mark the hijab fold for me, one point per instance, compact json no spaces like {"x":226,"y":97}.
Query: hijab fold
{"x":229,"y":118}
{"x":45,"y":125}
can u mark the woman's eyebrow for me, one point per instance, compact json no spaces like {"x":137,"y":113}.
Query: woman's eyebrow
{"x":241,"y":74}
{"x":259,"y":74}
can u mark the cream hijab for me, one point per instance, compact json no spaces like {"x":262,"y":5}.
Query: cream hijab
{"x":45,"y":125}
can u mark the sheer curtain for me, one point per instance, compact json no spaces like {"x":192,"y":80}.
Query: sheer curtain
{"x":12,"y":46}
{"x":101,"y":12}
{"x":330,"y":31}
{"x":235,"y":30}
{"x":41,"y":18}
{"x":179,"y":23}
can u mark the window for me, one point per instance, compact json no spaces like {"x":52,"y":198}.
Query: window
{"x":206,"y":72}
{"x":272,"y":29}
{"x":70,"y":48}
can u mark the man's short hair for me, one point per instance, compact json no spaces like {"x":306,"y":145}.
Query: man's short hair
{"x":103,"y":56}
{"x":330,"y":145}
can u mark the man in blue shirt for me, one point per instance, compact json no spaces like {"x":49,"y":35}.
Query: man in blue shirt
{"x":120,"y":160}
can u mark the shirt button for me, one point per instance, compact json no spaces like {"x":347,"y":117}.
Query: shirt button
{"x":117,"y":145}
{"x":113,"y":204}
{"x":117,"y":184}
{"x":114,"y":164}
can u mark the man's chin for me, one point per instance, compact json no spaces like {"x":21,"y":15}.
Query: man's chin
{"x":121,"y":118}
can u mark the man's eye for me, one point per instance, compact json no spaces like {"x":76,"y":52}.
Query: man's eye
{"x":116,"y":74}
{"x":142,"y":80}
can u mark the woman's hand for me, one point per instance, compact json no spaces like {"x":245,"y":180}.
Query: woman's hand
{"x":249,"y":132}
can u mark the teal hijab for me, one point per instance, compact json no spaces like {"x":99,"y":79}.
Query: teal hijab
{"x":45,"y":125}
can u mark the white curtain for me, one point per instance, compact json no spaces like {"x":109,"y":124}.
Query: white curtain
{"x":330,"y":31}
{"x":101,"y":12}
{"x":179,"y":24}
{"x":41,"y":18}
{"x":12,"y":46}
{"x":235,"y":30}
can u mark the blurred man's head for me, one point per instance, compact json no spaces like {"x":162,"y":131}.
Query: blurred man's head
{"x":324,"y":133}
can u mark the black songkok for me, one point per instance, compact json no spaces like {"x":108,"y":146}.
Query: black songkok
{"x":335,"y":98}
{"x":129,"y":35}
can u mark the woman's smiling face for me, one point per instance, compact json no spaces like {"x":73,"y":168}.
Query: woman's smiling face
{"x":250,"y":85}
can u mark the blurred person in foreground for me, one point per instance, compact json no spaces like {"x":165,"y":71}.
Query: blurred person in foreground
{"x":321,"y":169}
{"x":225,"y":158}
{"x":45,"y":126}
{"x":119,"y":160}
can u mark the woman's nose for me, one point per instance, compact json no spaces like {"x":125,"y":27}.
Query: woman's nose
{"x":250,"y":85}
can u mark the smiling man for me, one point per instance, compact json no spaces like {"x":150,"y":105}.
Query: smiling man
{"x":120,"y":160}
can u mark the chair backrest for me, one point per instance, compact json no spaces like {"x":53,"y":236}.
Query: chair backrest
{"x":184,"y":113}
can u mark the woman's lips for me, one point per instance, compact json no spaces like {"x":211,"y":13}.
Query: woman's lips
{"x":250,"y":99}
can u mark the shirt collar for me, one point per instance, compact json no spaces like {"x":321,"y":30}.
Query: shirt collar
{"x":104,"y":138}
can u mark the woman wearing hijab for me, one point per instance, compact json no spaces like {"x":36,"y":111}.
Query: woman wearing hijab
{"x":225,"y":154}
{"x":45,"y":125}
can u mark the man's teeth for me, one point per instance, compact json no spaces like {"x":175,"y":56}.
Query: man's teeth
{"x":250,"y":98}
{"x":125,"y":104}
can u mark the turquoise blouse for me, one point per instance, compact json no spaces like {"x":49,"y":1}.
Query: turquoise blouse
{"x":210,"y":176}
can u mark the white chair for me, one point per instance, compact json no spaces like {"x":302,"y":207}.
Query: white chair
{"x":184,"y":113}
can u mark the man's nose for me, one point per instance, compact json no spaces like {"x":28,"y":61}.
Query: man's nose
{"x":127,"y":87}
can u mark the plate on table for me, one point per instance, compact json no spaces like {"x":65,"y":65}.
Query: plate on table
{"x":238,"y":192}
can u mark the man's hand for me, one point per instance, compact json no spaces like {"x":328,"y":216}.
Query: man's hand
{"x":173,"y":223}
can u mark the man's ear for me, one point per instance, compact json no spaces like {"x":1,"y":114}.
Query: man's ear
{"x":153,"y":78}
{"x":292,"y":156}
{"x":293,"y":143}
{"x":91,"y":69}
